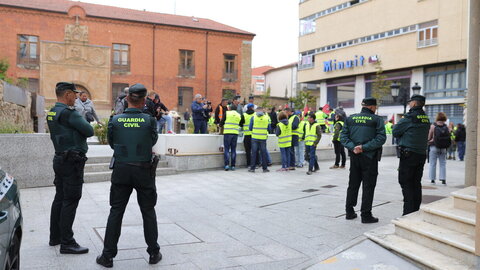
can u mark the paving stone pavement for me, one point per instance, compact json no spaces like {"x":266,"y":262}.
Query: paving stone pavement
{"x":225,"y":220}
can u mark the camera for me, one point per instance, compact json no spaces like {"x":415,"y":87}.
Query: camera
{"x":209,"y":103}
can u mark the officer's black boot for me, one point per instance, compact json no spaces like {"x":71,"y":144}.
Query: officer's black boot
{"x":73,"y":249}
{"x":368,"y":218}
{"x":351,"y":214}
{"x":104,"y":261}
{"x":155,"y":258}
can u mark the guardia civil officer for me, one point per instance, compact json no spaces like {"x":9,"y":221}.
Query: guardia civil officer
{"x":412,"y":133}
{"x":363,"y":135}
{"x":132,"y":135}
{"x":68,"y":132}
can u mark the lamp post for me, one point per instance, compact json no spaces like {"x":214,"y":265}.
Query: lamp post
{"x":403,"y":94}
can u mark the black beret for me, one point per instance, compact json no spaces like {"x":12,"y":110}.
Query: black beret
{"x":137,"y":90}
{"x":369,"y":101}
{"x":63,"y":86}
{"x":418,"y":98}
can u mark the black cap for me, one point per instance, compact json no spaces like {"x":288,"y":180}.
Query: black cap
{"x":64,"y":86}
{"x":251,"y":97}
{"x":369,"y":101}
{"x":417,"y":97}
{"x":137,"y":90}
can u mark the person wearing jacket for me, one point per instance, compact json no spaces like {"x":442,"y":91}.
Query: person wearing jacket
{"x":436,"y":153}
{"x":293,"y":121}
{"x":162,"y":115}
{"x":85,"y":107}
{"x":260,"y":127}
{"x":231,"y":125}
{"x":284,"y":134}
{"x":338,"y":147}
{"x":460,"y":137}
{"x":313,"y":134}
{"x":453,"y":146}
{"x":363,"y":134}
{"x":300,"y":149}
{"x":200,"y":115}
{"x":412,"y":133}
{"x":247,"y":134}
{"x":220,"y":113}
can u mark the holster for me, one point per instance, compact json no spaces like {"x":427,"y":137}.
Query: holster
{"x":154,"y":163}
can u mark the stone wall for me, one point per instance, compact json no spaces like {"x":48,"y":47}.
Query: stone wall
{"x":18,"y":115}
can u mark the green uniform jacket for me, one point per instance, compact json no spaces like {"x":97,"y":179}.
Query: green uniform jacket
{"x":365,"y":129}
{"x":68,"y":129}
{"x":412,"y":131}
{"x":132,"y":135}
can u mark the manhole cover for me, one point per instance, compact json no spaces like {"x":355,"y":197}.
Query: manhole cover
{"x":431,"y":198}
{"x":329,"y":186}
{"x":428,"y":187}
{"x":310,"y":190}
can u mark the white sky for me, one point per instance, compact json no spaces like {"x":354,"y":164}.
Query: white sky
{"x":275,"y":22}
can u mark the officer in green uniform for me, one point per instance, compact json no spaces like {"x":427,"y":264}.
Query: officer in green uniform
{"x":68,"y":132}
{"x":132,"y":135}
{"x":363,"y":134}
{"x":412,"y":133}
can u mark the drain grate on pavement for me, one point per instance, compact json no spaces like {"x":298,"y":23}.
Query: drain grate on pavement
{"x":431,"y":198}
{"x":310,"y":190}
{"x":428,"y":187}
{"x":329,"y":186}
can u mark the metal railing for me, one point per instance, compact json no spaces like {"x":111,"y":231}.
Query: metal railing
{"x":186,"y":71}
{"x":427,"y":42}
{"x":230,"y":76}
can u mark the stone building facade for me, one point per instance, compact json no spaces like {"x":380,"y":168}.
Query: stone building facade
{"x":104,"y":49}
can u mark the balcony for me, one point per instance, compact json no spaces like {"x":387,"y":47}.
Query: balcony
{"x":306,"y":66}
{"x":28,"y":62}
{"x":184,"y":71}
{"x":427,"y":43}
{"x":230,"y":76}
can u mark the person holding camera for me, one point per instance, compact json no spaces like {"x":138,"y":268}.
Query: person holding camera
{"x":200,"y":114}
{"x":85,"y":107}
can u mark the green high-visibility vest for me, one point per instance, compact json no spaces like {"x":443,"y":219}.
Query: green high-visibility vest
{"x":452,"y":134}
{"x":341,"y":124}
{"x":301,"y":130}
{"x":246,"y":126}
{"x":290,"y":123}
{"x":232,"y":123}
{"x":260,"y":127}
{"x":320,"y":117}
{"x":388,"y":128}
{"x":311,"y":133}
{"x":285,"y":137}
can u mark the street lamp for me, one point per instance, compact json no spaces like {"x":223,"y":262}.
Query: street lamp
{"x":403,"y":94}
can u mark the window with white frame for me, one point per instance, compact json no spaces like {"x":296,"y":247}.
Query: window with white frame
{"x":307,"y":26}
{"x":446,"y":81}
{"x":307,"y":60}
{"x":427,"y":34}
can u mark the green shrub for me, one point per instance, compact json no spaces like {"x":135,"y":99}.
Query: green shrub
{"x":8,"y":128}
{"x":100,"y":130}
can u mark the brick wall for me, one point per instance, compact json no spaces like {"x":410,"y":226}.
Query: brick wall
{"x":145,"y":61}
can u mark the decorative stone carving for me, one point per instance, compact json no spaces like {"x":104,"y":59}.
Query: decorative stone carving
{"x":76,"y":33}
{"x":96,"y":57}
{"x":55,"y":52}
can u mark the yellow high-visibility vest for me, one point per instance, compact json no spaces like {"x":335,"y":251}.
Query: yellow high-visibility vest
{"x":285,"y":137}
{"x":246,"y":126}
{"x":311,"y":133}
{"x":232,"y":123}
{"x":260,"y":127}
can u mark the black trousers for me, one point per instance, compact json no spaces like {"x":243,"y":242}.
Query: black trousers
{"x":247,"y":143}
{"x":68,"y":191}
{"x":125,"y":178}
{"x":410,"y":174}
{"x":363,"y":170}
{"x":339,"y":152}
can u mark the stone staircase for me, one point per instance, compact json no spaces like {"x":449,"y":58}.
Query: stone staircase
{"x":439,"y":236}
{"x":96,"y":169}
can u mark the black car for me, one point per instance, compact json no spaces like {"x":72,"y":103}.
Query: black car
{"x":10,"y":222}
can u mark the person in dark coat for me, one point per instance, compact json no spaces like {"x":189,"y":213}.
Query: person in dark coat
{"x":460,"y":137}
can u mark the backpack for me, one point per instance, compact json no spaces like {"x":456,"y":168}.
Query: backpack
{"x":441,"y":137}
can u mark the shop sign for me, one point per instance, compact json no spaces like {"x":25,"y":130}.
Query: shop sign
{"x":358,"y":61}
